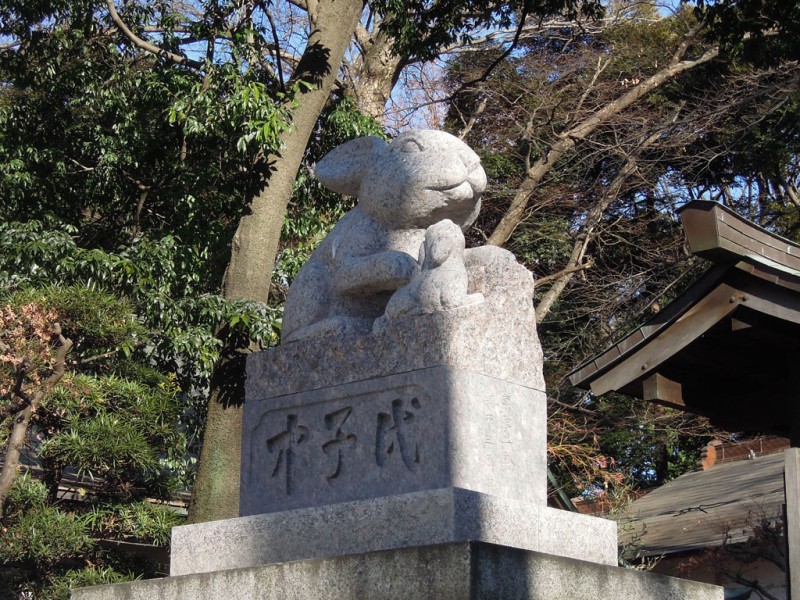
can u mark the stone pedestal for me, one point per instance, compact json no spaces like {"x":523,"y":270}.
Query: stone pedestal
{"x":426,"y":429}
{"x":453,"y":399}
{"x":457,"y":571}
{"x":409,"y":462}
{"x":390,"y":522}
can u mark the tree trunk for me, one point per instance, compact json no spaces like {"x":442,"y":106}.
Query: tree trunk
{"x":379,"y":71}
{"x":255,"y":244}
{"x":22,"y":419}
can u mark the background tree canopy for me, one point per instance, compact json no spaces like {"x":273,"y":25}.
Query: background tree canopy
{"x":593,"y":134}
{"x":154,"y":166}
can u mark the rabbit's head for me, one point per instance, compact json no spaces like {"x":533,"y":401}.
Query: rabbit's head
{"x":415,"y":181}
{"x":442,"y":240}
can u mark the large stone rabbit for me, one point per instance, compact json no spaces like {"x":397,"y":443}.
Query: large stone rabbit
{"x":403,"y":187}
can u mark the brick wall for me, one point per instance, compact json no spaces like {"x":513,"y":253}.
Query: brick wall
{"x":717,"y":452}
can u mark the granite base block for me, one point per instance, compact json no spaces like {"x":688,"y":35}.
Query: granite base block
{"x":425,"y":429}
{"x":497,"y":339}
{"x":458,"y":571}
{"x":416,"y":519}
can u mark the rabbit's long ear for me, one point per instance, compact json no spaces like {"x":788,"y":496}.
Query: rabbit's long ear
{"x":344,"y":167}
{"x":421,"y":255}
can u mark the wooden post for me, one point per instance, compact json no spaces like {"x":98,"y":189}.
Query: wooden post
{"x":791,"y":481}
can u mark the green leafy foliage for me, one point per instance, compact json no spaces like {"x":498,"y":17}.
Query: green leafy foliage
{"x":97,"y":322}
{"x":104,"y":444}
{"x":44,"y":535}
{"x":654,"y":450}
{"x":26,"y":493}
{"x":422,"y":29}
{"x":764,"y":32}
{"x":229,"y":99}
{"x":118,"y":430}
{"x":61,"y":587}
{"x":161,"y":280}
{"x":142,"y":522}
{"x":109,"y":139}
{"x":114,"y":424}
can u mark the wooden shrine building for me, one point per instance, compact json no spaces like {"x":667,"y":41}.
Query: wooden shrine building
{"x":728,"y":347}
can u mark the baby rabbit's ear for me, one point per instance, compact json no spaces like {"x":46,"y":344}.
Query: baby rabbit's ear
{"x":344,"y":167}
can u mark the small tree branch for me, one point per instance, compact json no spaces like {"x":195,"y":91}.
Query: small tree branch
{"x":22,"y":419}
{"x":568,"y":139}
{"x":680,"y":51}
{"x":601,"y":66}
{"x":312,"y":6}
{"x":362,"y":36}
{"x":143,"y":194}
{"x":473,"y":118}
{"x":145,"y":45}
{"x":277,"y":49}
{"x":566,"y":271}
{"x":502,"y":57}
{"x":83,"y":168}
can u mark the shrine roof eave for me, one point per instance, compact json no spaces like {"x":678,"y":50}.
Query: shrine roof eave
{"x":731,"y":336}
{"x":718,"y":234}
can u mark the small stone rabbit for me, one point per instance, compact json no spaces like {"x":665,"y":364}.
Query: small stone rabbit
{"x":441,"y":284}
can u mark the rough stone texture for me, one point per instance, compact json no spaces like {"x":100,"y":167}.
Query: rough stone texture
{"x":419,"y":179}
{"x":417,"y":519}
{"x":496,"y":338}
{"x":460,"y":571}
{"x":426,"y":429}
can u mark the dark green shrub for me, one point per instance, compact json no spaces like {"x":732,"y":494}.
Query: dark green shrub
{"x":44,"y":535}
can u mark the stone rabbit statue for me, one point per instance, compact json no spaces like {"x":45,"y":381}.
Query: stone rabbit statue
{"x":403,"y":187}
{"x":442,"y":282}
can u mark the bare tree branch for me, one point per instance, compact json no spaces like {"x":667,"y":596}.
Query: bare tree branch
{"x":277,"y":49}
{"x":145,"y":45}
{"x":22,"y":418}
{"x":473,"y":118}
{"x":567,"y":140}
{"x":593,"y":218}
{"x":488,"y":71}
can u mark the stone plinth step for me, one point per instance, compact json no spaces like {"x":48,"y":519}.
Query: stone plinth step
{"x":457,"y":571}
{"x":414,"y":519}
